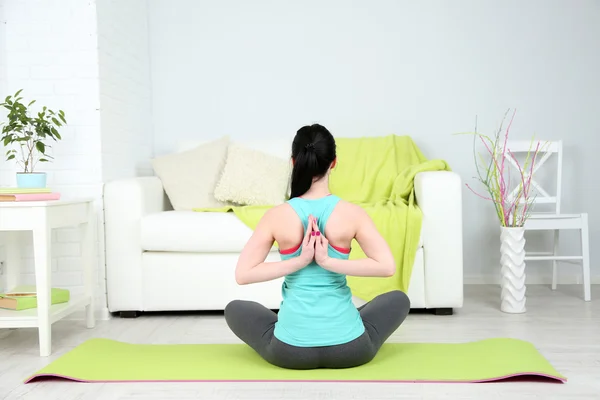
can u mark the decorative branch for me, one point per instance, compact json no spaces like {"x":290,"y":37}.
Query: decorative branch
{"x":496,"y":178}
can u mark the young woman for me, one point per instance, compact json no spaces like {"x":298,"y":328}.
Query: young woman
{"x":317,"y":325}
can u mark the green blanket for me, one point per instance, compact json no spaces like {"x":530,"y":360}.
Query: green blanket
{"x":378,"y":174}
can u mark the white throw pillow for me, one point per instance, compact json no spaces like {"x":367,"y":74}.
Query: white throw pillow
{"x":252,"y":177}
{"x":189,"y":177}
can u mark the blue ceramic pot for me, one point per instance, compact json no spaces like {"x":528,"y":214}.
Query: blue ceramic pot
{"x":33,"y":180}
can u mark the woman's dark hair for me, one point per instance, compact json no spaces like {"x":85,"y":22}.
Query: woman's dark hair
{"x":313,"y":151}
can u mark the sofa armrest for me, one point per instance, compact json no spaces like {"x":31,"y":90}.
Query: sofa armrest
{"x":126,"y":201}
{"x":439,"y":196}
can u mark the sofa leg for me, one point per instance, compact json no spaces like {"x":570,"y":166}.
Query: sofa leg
{"x":442,"y":311}
{"x":129,"y":314}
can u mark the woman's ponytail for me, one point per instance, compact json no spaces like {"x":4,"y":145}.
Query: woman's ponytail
{"x":305,"y":168}
{"x":313,"y":151}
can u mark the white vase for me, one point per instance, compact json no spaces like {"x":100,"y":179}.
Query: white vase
{"x":512,"y":261}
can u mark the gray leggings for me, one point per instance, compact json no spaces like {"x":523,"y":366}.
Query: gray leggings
{"x":254,"y":324}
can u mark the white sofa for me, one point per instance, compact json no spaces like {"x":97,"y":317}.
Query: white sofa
{"x":158,"y":259}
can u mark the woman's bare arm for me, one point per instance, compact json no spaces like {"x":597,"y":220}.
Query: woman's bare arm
{"x":251,"y":266}
{"x":379,"y":261}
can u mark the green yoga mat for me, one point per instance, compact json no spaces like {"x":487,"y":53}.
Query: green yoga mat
{"x":103,"y":360}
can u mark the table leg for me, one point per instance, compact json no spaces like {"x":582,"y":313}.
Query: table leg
{"x":88,"y":255}
{"x":13,"y":259}
{"x":41,"y":253}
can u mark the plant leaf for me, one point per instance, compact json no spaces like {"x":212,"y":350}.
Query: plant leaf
{"x":40,"y":146}
{"x":43,"y":160}
{"x":55,"y":132}
{"x":10,"y":157}
{"x":18,"y":93}
{"x":30,"y":103}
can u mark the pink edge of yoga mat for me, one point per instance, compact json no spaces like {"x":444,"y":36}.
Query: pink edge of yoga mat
{"x":556,"y":379}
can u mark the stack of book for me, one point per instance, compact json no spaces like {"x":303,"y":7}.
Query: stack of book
{"x":25,"y":297}
{"x":26,"y":194}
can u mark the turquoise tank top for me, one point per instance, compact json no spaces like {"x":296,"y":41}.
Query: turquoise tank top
{"x":316,"y":307}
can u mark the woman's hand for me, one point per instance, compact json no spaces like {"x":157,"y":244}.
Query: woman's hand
{"x":321,"y":247}
{"x":379,"y":261}
{"x":252,"y":266}
{"x":308,"y":243}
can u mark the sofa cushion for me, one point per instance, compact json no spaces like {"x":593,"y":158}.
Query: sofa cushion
{"x":189,"y":177}
{"x":253,"y":178}
{"x":196,"y":232}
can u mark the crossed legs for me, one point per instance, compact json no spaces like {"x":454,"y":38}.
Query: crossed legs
{"x":254,"y":324}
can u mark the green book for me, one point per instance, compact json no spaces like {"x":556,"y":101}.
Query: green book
{"x":24,"y":297}
{"x":11,"y":190}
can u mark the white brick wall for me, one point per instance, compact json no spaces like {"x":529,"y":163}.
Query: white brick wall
{"x":90,"y":59}
{"x":49,"y":49}
{"x":125,"y":90}
{"x":2,"y":49}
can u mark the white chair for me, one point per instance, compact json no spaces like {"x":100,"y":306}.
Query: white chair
{"x":553,"y":220}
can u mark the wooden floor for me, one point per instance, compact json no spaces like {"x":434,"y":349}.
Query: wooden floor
{"x":563,"y":327}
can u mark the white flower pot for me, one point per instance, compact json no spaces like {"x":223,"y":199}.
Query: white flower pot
{"x":512,"y":261}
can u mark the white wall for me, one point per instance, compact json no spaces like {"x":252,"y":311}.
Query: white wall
{"x":262,"y":69}
{"x":49,"y":49}
{"x":125,"y":88}
{"x":2,"y":51}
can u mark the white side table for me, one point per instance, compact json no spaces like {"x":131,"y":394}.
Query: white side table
{"x":41,"y":217}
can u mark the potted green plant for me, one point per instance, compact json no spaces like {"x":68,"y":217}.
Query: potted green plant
{"x":27,"y":138}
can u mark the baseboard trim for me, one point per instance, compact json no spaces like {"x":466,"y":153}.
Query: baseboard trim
{"x":532,"y":279}
{"x":103,"y":314}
